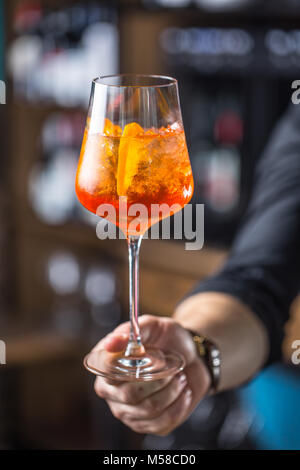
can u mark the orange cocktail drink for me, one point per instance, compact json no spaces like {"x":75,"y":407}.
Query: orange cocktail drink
{"x":144,"y":166}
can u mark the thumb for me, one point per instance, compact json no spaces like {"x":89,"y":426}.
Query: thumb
{"x":115,"y":343}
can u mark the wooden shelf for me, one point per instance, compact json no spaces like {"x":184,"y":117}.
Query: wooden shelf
{"x":33,"y":347}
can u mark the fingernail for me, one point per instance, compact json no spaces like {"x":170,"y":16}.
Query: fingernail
{"x":182,"y":378}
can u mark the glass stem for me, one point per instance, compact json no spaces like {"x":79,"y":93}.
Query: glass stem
{"x":134,"y":346}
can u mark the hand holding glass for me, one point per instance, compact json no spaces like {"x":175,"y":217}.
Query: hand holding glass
{"x":134,"y":152}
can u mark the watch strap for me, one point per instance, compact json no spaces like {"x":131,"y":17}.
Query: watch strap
{"x":210,"y":354}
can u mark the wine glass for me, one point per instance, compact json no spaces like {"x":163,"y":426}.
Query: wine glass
{"x":134,"y":157}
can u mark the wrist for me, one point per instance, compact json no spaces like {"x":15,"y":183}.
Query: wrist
{"x":233,"y":327}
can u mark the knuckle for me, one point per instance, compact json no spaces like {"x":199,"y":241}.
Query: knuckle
{"x":116,"y":412}
{"x":147,"y":318}
{"x":126,"y":418}
{"x":98,"y":387}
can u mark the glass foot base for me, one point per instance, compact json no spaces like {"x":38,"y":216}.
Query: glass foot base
{"x":153,"y":365}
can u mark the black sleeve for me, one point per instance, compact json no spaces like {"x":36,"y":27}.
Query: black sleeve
{"x":263,"y":269}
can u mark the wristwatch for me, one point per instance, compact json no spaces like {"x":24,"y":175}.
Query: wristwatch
{"x":210,"y":354}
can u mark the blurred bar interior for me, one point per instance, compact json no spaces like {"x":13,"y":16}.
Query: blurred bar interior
{"x":61,"y":288}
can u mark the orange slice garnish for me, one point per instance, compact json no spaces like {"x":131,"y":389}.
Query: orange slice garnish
{"x":129,"y":156}
{"x":111,"y":129}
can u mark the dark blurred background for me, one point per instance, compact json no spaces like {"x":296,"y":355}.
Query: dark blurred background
{"x":61,"y":289}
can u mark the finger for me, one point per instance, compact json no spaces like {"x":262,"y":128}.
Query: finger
{"x":148,"y":327}
{"x":130,"y":393}
{"x":122,"y":329}
{"x":150,"y":332}
{"x":152,"y":406}
{"x":115,"y":343}
{"x":101,"y":344}
{"x":171,"y":418}
{"x":179,"y":411}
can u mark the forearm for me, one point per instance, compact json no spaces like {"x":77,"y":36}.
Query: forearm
{"x":239,"y":334}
